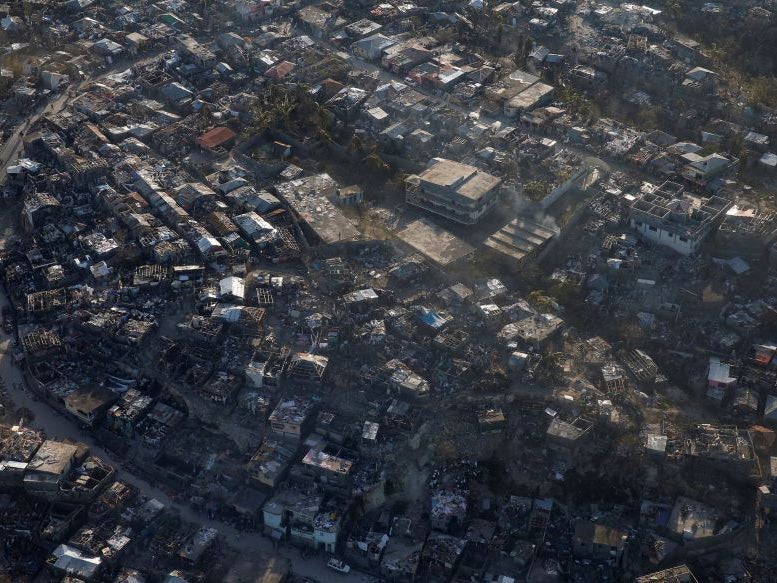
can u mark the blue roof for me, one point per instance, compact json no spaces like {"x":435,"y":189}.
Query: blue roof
{"x":433,"y":319}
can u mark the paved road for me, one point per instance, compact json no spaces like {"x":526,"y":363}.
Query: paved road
{"x":13,"y":145}
{"x":58,"y":426}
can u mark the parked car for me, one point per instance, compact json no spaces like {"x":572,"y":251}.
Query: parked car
{"x":338,"y":565}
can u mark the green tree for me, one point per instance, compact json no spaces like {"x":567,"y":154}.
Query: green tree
{"x":528,"y":44}
{"x":376,"y":163}
{"x":744,"y":161}
{"x":540,"y":301}
{"x":674,"y":9}
{"x":535,"y":190}
{"x":763,"y":91}
{"x":551,"y":367}
{"x":356,"y":144}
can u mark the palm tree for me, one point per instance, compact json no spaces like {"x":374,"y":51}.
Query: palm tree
{"x":321,"y":117}
{"x":551,"y":367}
{"x":540,"y":300}
{"x":262,"y":120}
{"x":528,"y":43}
{"x":283,"y":107}
{"x":324,"y":136}
{"x":356,"y":144}
{"x":375,"y":162}
{"x":674,"y":9}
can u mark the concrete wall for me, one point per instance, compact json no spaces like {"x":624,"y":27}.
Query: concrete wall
{"x":562,"y":189}
{"x":666,"y":239}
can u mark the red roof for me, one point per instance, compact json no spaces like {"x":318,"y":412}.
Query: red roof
{"x":215,"y":137}
{"x":280,"y":70}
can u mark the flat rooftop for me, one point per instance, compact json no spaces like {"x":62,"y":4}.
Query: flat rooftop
{"x":441,"y":247}
{"x":692,"y":519}
{"x":565,"y":430}
{"x":531,"y":96}
{"x":514,"y":84}
{"x":467,"y":181}
{"x":53,"y":458}
{"x":292,"y":410}
{"x":674,"y":209}
{"x":520,"y":238}
{"x":447,"y":172}
{"x":307,"y":197}
{"x":325,"y":461}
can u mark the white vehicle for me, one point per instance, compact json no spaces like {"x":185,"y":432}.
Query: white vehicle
{"x":338,"y":565}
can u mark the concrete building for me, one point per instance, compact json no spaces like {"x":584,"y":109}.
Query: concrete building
{"x":350,"y":195}
{"x":719,"y":374}
{"x":746,"y":232}
{"x":269,"y":464}
{"x":448,"y":508}
{"x":48,"y":469}
{"x":670,"y":217}
{"x":67,"y":560}
{"x":292,"y":417}
{"x":255,"y":229}
{"x":722,"y":449}
{"x":372,"y":47}
{"x":518,"y":92}
{"x":563,"y":438}
{"x":458,"y":192}
{"x":307,"y":369}
{"x":614,"y":380}
{"x":331,"y":472}
{"x":597,"y":541}
{"x":692,"y":519}
{"x":304,"y":519}
{"x":90,"y":405}
{"x":404,"y":381}
{"x":521,"y":239}
{"x":440,"y":247}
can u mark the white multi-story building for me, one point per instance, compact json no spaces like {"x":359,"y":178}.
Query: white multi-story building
{"x":668,"y":216}
{"x":291,"y":417}
{"x":304,"y":519}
